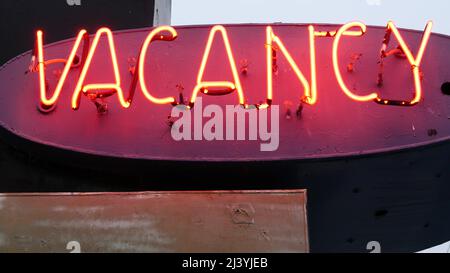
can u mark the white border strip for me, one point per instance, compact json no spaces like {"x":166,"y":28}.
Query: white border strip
{"x":163,"y":12}
{"x":444,"y":248}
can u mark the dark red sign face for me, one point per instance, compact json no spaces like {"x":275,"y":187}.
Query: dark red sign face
{"x":232,"y":93}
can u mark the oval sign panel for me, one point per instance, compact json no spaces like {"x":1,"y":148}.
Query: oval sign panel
{"x":232,"y":93}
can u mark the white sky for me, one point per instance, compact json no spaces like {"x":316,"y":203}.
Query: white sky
{"x":405,"y":13}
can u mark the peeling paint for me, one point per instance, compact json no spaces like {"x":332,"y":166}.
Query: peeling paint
{"x":2,"y":240}
{"x":98,"y":224}
{"x":83,"y":210}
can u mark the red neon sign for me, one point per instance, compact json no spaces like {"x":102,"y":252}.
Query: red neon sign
{"x":310,"y":96}
{"x":337,"y":72}
{"x":48,"y":103}
{"x":100,"y":86}
{"x":272,"y":44}
{"x":215,"y":87}
{"x":415,"y":63}
{"x":153,"y":36}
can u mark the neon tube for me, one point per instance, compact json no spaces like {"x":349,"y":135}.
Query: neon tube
{"x":49,"y":102}
{"x":201,"y":85}
{"x":310,"y":96}
{"x":115,"y":86}
{"x":337,"y":71}
{"x":150,"y":38}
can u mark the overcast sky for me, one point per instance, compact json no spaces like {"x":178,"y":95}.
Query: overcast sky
{"x":405,"y":13}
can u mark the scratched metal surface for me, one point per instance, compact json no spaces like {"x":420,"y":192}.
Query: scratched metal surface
{"x":233,"y":221}
{"x":335,"y":126}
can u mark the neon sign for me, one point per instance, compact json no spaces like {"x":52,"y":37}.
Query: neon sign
{"x":227,"y":87}
{"x":158,"y":70}
{"x":47,"y":103}
{"x":415,"y":62}
{"x":273,"y":45}
{"x":153,"y":36}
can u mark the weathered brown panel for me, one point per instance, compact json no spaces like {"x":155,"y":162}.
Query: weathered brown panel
{"x":214,"y":221}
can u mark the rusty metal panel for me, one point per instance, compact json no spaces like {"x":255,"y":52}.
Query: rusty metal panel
{"x":210,"y":221}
